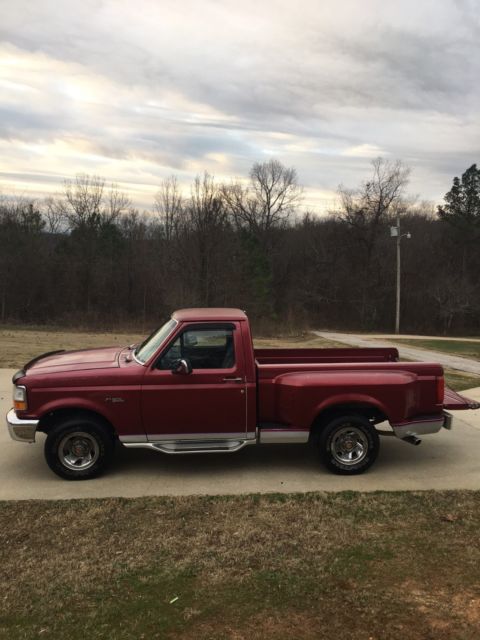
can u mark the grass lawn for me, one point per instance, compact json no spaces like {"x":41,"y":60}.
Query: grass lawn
{"x":465,"y":348}
{"x":347,"y":566}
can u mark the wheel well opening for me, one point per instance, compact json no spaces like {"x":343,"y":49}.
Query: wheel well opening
{"x":371,"y":413}
{"x":51,"y":419}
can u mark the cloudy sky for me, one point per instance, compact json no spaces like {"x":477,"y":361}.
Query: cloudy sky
{"x":137,"y":91}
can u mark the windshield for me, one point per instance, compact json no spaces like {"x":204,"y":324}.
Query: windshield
{"x":151,"y":344}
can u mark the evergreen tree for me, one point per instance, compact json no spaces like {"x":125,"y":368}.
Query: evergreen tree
{"x":462,"y":202}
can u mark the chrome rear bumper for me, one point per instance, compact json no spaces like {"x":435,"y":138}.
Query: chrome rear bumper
{"x":423,"y":426}
{"x":21,"y":430}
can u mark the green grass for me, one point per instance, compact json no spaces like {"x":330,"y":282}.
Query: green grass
{"x":465,"y":348}
{"x":348,"y":565}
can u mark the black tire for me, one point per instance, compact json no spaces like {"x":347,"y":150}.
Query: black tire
{"x":350,"y":436}
{"x":83,"y":438}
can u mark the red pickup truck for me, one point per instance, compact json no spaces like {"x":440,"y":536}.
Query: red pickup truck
{"x":198,"y":385}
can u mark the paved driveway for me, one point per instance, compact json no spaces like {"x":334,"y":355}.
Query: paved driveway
{"x":448,"y":460}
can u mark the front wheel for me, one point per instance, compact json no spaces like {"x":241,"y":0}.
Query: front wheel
{"x":349,"y":445}
{"x":79,"y":449}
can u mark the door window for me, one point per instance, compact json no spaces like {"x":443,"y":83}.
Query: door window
{"x":204,"y":348}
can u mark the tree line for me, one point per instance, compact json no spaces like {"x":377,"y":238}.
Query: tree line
{"x":87,"y":257}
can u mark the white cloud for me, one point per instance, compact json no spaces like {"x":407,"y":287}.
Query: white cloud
{"x":364,"y":151}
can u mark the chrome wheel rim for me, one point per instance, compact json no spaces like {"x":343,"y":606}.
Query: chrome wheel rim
{"x":349,"y":445}
{"x":78,"y":451}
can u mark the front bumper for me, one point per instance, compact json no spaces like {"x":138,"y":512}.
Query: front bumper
{"x":21,"y":430}
{"x":423,"y":426}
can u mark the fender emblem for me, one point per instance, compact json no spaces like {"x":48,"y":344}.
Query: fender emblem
{"x":113,"y":400}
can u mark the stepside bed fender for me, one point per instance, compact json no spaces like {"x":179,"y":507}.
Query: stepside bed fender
{"x":302,"y":396}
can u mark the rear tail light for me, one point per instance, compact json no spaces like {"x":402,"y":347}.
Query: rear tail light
{"x":440,"y":389}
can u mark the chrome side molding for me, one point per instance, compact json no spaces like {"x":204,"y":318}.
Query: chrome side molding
{"x":284,"y":436}
{"x":199,"y":437}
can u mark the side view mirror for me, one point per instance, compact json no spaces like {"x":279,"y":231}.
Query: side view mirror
{"x":182,"y":367}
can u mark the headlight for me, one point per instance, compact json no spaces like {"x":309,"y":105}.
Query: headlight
{"x":19,"y":398}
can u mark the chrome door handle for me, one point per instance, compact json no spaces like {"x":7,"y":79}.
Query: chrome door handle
{"x":233,"y":379}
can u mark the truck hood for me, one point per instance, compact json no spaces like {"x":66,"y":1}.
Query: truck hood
{"x":60,"y":361}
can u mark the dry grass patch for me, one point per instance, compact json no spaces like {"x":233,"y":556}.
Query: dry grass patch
{"x":18,"y":346}
{"x":299,"y":566}
{"x":302,"y":341}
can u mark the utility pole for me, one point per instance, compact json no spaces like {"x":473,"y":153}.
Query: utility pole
{"x":397,"y":306}
{"x":395,"y":233}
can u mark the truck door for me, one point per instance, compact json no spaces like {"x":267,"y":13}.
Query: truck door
{"x":208,"y":402}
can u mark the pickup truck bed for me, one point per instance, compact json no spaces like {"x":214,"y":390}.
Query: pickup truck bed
{"x":299,"y":356}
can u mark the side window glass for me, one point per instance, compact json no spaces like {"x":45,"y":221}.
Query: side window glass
{"x":204,"y":348}
{"x":173,"y":354}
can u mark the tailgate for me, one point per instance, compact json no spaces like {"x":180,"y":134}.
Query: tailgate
{"x":453,"y":400}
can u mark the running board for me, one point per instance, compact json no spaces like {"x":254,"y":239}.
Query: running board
{"x":192,"y":446}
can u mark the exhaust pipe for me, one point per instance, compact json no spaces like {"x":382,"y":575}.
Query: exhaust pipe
{"x":413,"y":440}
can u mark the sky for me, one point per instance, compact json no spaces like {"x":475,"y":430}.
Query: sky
{"x":138,"y":91}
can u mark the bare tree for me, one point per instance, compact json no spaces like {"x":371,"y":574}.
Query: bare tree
{"x":206,"y":206}
{"x":366,"y":209}
{"x":88,"y":206}
{"x":207,"y":218}
{"x":118,"y":204}
{"x":260,"y":209}
{"x":268,"y":201}
{"x":84,"y":198}
{"x":92,"y":214}
{"x":169,"y":205}
{"x":276,"y":190}
{"x":54,"y":214}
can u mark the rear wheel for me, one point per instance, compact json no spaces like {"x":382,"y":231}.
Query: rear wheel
{"x":349,"y":444}
{"x":79,"y":448}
